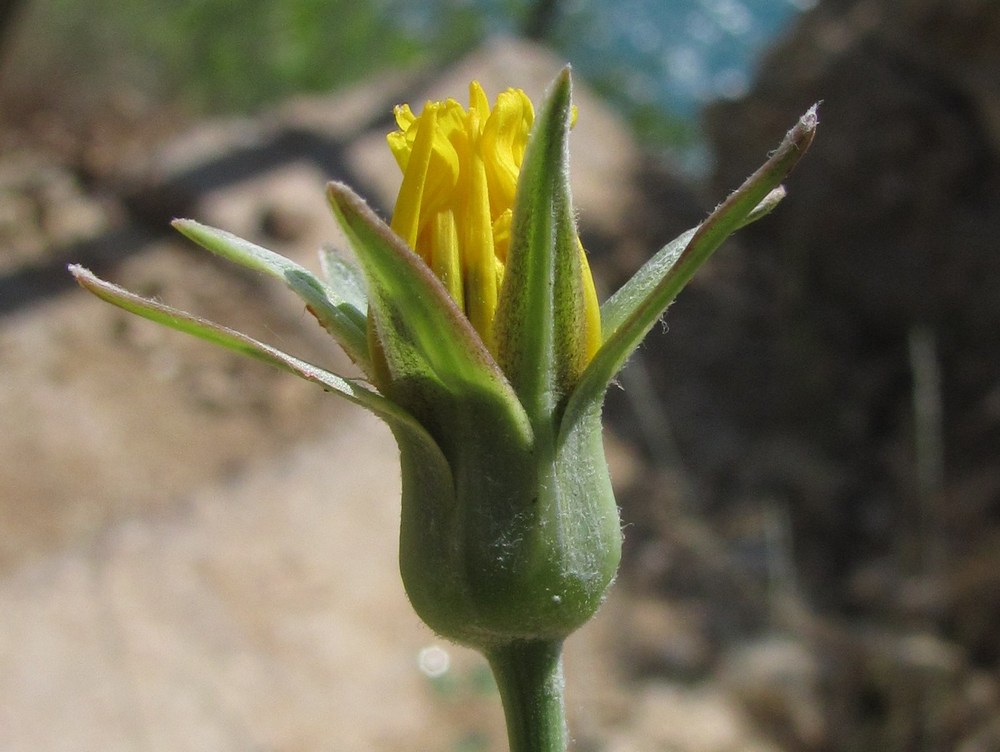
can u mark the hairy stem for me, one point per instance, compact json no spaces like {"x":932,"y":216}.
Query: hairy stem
{"x":529,"y":675}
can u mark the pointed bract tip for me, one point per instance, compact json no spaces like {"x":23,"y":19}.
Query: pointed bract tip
{"x":799,"y":138}
{"x":85,"y":278}
{"x":561,"y":88}
{"x":79,"y":272}
{"x":810,"y":119}
{"x":805,"y":129}
{"x":191,"y":229}
{"x":348,"y":205}
{"x":353,"y":211}
{"x":341,"y":196}
{"x":768,"y":204}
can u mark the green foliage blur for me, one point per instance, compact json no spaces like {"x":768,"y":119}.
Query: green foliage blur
{"x":207,"y":57}
{"x":235,"y":55}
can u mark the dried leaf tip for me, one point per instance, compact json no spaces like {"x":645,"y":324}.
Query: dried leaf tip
{"x":801,"y":134}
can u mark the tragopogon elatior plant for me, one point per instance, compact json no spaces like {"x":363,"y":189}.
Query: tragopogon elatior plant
{"x":474,"y":319}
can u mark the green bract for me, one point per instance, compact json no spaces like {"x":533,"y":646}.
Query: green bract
{"x":510,"y":531}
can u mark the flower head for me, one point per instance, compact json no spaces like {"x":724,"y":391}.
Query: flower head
{"x":474,"y":316}
{"x":456,"y":202}
{"x":460,"y":171}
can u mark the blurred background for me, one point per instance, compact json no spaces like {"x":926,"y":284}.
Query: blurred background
{"x":198,"y":553}
{"x":221,"y":57}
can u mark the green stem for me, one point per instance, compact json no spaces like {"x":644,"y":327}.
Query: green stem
{"x":529,"y":675}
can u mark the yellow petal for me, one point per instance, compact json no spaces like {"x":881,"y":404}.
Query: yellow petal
{"x":460,"y":174}
{"x":479,"y":258}
{"x":504,"y":137}
{"x":417,"y":158}
{"x":446,"y":261}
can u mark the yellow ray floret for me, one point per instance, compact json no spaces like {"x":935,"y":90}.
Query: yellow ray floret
{"x":460,"y":170}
